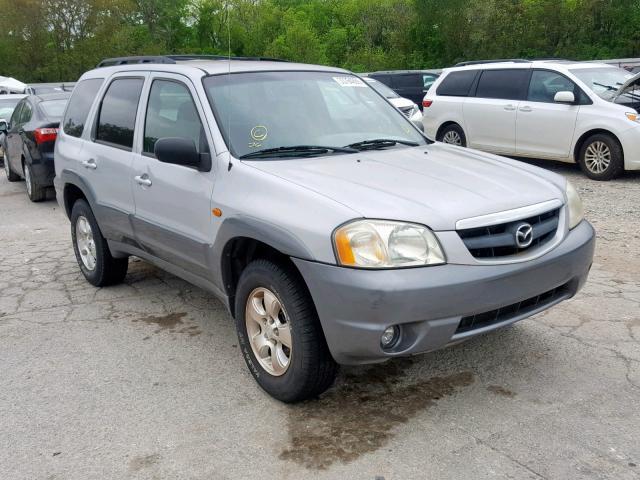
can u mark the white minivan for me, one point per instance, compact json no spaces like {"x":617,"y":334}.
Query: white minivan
{"x":558,"y":110}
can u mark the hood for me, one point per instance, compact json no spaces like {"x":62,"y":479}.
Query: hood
{"x":435,"y":185}
{"x":632,"y":80}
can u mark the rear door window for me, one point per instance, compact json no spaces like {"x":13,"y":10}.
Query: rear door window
{"x":79,"y":105}
{"x":503,"y":84}
{"x":457,"y":84}
{"x":26,"y":113}
{"x":117,"y":118}
{"x":171,"y":112}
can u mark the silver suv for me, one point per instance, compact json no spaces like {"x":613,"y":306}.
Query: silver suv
{"x":326,"y":222}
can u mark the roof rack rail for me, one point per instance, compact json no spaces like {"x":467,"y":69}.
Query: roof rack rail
{"x":502,"y":60}
{"x":172,"y":59}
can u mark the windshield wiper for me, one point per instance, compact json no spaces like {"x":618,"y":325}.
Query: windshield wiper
{"x":380,"y":143}
{"x":297,"y":149}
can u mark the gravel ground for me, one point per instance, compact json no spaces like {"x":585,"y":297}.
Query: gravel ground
{"x":145,"y":381}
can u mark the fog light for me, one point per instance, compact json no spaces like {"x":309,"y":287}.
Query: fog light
{"x":390,"y":336}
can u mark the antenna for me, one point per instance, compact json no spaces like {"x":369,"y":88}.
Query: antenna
{"x":229,"y":81}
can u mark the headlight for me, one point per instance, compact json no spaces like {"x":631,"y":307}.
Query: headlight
{"x":386,"y":244}
{"x":576,"y":210}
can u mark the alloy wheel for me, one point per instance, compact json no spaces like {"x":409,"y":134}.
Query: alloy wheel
{"x":597,"y":157}
{"x":452,"y":137}
{"x":85,"y":243}
{"x":269,"y":331}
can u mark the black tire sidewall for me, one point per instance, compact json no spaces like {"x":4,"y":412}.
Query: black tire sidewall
{"x":615,"y":168}
{"x":36,"y":194}
{"x":456,"y":128}
{"x":265,"y":274}
{"x":81,"y":208}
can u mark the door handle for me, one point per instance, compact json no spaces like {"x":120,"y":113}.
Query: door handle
{"x":526,"y":109}
{"x":510,"y":108}
{"x":91,"y":164}
{"x":143,"y":180}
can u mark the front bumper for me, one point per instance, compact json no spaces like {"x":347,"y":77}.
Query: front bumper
{"x":355,"y":305}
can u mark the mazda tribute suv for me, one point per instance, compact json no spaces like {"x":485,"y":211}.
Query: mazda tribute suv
{"x":331,"y":228}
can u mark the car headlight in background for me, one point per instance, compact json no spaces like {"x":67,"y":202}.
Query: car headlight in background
{"x":576,"y":210}
{"x":386,"y":244}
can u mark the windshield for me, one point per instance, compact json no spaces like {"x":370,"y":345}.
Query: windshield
{"x":604,"y":82}
{"x":263,"y":110}
{"x":53,"y":108}
{"x":381,"y":88}
{"x":7,"y":106}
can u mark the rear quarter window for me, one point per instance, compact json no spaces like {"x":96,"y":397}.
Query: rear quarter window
{"x":457,"y":84}
{"x":79,"y":105}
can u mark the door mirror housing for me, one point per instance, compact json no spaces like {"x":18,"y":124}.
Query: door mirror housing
{"x":181,"y":151}
{"x":564,"y":97}
{"x":4,"y":126}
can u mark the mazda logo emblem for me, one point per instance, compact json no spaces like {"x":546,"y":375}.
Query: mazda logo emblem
{"x":524,"y":235}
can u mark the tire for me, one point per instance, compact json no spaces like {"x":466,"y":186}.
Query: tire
{"x":311,"y":369}
{"x":35,"y":192}
{"x":601,"y":157}
{"x":99,"y":267}
{"x":11,"y":176}
{"x":453,"y":135}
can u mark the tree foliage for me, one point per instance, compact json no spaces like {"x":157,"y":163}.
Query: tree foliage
{"x":57,"y":40}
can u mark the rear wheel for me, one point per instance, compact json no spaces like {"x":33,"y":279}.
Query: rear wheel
{"x":279,"y":332}
{"x":453,"y":135}
{"x":601,"y":157}
{"x":35,"y":192}
{"x":11,"y":176}
{"x":91,"y":249}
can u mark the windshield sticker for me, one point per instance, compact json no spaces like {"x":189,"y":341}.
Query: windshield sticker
{"x":349,"y":82}
{"x":258,"y":134}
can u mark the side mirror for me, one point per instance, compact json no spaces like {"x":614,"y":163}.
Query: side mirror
{"x":564,"y":97}
{"x":4,"y":126}
{"x":181,"y":151}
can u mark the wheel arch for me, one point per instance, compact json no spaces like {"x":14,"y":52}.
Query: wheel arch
{"x":445,"y":125}
{"x":242,"y":240}
{"x":75,"y":188}
{"x":594,"y":131}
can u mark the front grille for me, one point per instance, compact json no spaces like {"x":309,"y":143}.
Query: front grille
{"x":500,"y":240}
{"x":474,"y":322}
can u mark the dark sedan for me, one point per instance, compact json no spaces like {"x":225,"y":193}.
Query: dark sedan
{"x":29,"y":142}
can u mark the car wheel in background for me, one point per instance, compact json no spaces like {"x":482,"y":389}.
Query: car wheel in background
{"x":601,"y":157}
{"x":91,"y":249}
{"x":453,"y":135}
{"x":11,"y":176}
{"x":279,"y":332}
{"x":35,"y":192}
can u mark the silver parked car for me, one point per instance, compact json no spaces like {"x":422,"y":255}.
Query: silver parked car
{"x":324,"y":220}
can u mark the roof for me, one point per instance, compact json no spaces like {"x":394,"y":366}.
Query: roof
{"x":211,"y":67}
{"x":12,"y":95}
{"x":560,"y":64}
{"x":43,"y":97}
{"x":210,"y":64}
{"x":434,"y":71}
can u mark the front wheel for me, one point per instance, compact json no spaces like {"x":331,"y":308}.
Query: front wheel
{"x":91,"y":249}
{"x":279,"y":333}
{"x":601,"y":157}
{"x":453,"y":135}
